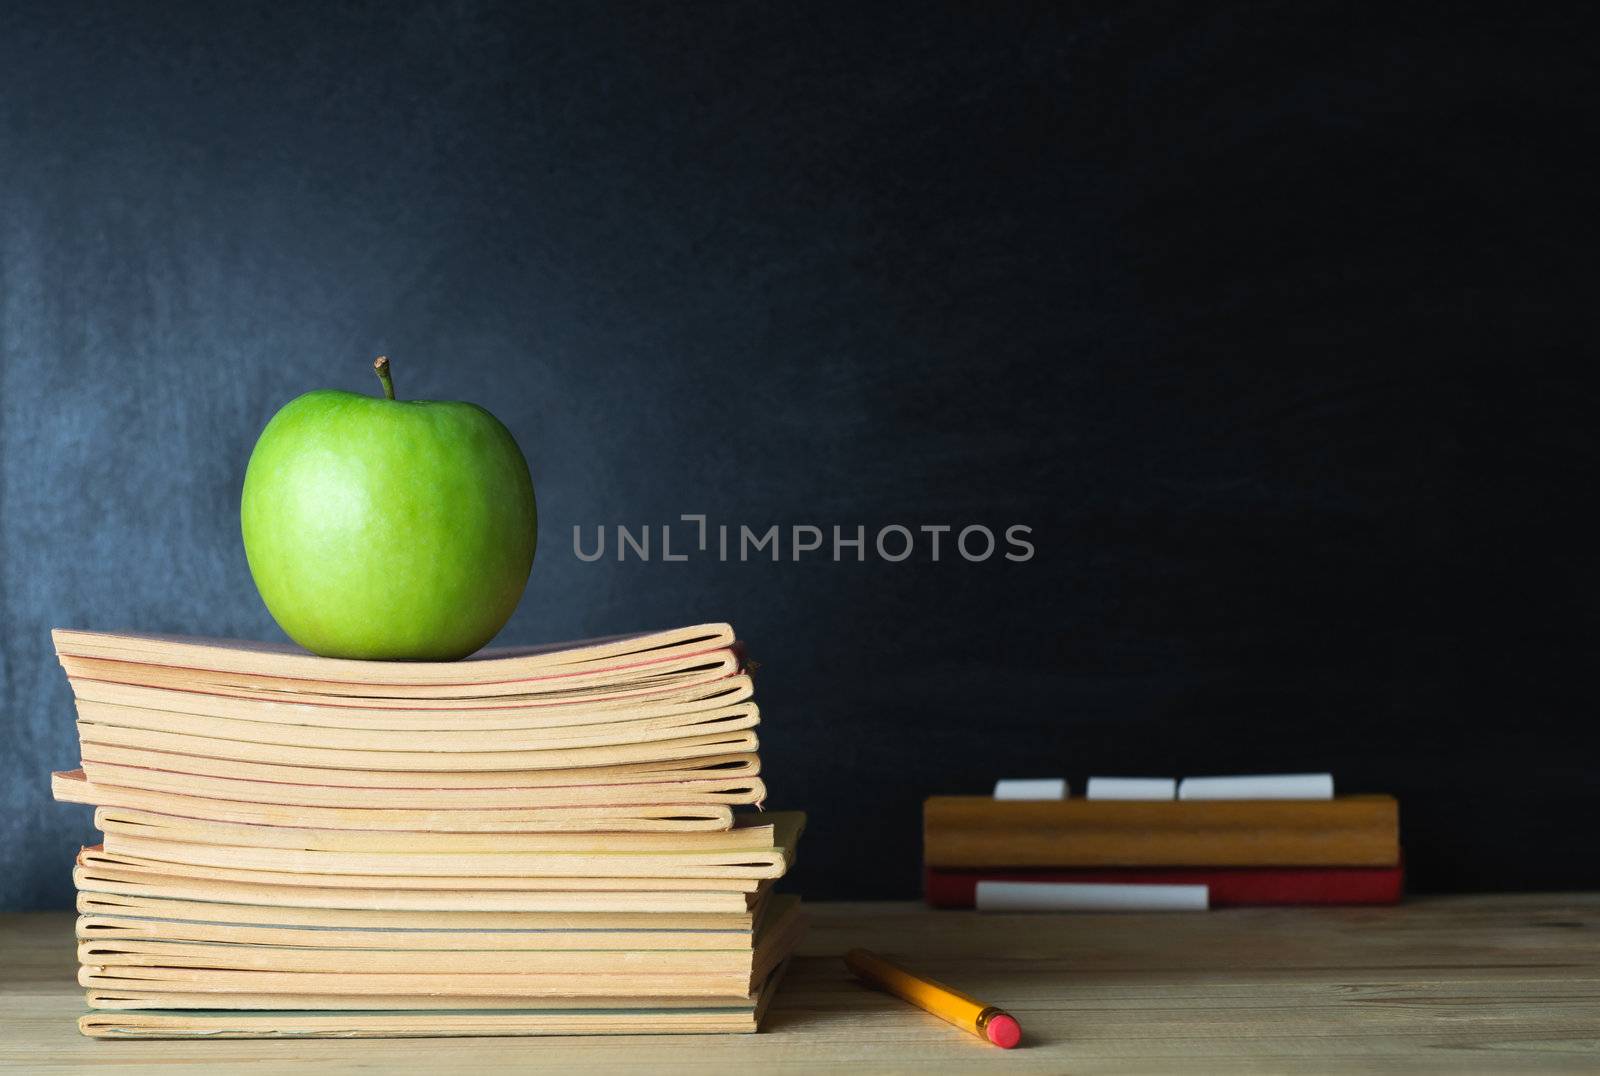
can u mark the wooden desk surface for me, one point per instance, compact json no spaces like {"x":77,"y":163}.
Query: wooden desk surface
{"x":1453,"y":984}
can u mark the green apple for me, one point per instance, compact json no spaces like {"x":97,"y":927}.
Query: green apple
{"x":388,"y":530}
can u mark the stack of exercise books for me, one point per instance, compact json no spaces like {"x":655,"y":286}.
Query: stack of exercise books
{"x":527,"y":842}
{"x":1097,"y":854}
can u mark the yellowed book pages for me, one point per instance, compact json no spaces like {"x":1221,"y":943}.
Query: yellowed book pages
{"x":196,"y":968}
{"x":98,"y":875}
{"x":383,"y":1025}
{"x":567,"y":984}
{"x":732,"y":791}
{"x":113,"y":930}
{"x":720,"y":737}
{"x":96,"y":857}
{"x":448,"y":739}
{"x":489,"y":868}
{"x":319,"y":1015}
{"x":128,"y":952}
{"x":155,"y":912}
{"x":556,"y":984}
{"x":747,"y":863}
{"x":722,"y":767}
{"x":81,"y":671}
{"x":733,"y":765}
{"x":136,"y":999}
{"x":109,"y":944}
{"x":425,"y":715}
{"x":751,"y":832}
{"x":495,"y":664}
{"x":74,"y":787}
{"x":582,"y":681}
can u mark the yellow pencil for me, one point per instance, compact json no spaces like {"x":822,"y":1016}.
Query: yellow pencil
{"x":952,"y":1006}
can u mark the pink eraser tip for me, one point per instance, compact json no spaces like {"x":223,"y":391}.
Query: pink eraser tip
{"x":1003,"y":1031}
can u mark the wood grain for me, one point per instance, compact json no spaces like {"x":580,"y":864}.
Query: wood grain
{"x":979,"y":831}
{"x":1454,"y":984}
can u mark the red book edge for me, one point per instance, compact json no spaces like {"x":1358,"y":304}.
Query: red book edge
{"x":1230,"y":887}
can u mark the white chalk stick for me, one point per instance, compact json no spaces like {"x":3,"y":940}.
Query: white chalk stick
{"x":1132,"y":788}
{"x":1090,"y":897}
{"x":1276,"y":786}
{"x":1031,"y":788}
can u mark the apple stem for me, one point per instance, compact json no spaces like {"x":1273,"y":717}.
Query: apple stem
{"x":381,"y":365}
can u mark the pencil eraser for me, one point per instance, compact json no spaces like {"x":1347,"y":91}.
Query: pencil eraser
{"x":1043,"y":788}
{"x":1276,"y":786}
{"x":1132,"y":788}
{"x":1003,"y":1031}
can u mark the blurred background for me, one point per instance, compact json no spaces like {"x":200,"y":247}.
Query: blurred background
{"x":1274,"y":322}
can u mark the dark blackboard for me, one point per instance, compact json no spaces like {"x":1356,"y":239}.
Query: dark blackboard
{"x":1273,"y":322}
